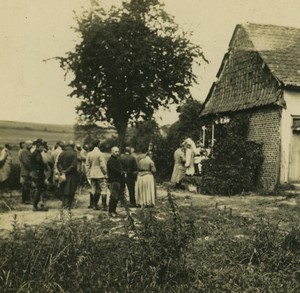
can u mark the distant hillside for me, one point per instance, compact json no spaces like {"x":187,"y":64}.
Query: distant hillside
{"x":36,"y":126}
{"x":13,"y":132}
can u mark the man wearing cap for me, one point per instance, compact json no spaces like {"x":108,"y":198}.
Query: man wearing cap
{"x":24,"y":158}
{"x":59,"y":146}
{"x":38,"y":174}
{"x":129,"y":166}
{"x":96,"y":172}
{"x":67,"y":165}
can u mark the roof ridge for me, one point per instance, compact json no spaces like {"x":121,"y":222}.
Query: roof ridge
{"x":268,"y":25}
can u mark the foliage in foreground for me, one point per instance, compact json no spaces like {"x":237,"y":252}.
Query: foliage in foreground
{"x":184,"y":249}
{"x":76,"y":256}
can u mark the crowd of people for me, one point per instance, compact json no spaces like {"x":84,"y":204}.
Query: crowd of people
{"x":188,"y":158}
{"x":67,"y":167}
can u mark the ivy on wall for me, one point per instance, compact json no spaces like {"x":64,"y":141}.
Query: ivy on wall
{"x":236,"y":162}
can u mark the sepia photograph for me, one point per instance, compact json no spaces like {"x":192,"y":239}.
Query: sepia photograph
{"x":149,"y":146}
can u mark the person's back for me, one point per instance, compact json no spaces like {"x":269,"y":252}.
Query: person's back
{"x":55,"y":153}
{"x":95,"y":164}
{"x":128,"y":163}
{"x":179,"y":157}
{"x":38,"y":175}
{"x":129,"y":166}
{"x":115,"y":178}
{"x":68,"y":160}
{"x":24,"y":158}
{"x":146,"y":164}
{"x":25,"y":166}
{"x":67,"y":165}
{"x":146,"y":190}
{"x":114,"y":169}
{"x":37,"y":163}
{"x":179,"y":168}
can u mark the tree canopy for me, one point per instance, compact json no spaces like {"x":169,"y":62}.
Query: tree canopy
{"x":144,"y":133}
{"x":188,"y":124}
{"x":129,"y":61}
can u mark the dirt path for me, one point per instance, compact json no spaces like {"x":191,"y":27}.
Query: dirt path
{"x":243,"y":205}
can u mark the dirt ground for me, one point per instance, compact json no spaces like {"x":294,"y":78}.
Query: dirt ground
{"x":248,"y":206}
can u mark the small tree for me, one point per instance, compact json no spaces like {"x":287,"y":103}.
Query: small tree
{"x":129,"y":62}
{"x":188,"y":124}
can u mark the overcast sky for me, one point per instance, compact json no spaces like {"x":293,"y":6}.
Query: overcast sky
{"x":34,"y":30}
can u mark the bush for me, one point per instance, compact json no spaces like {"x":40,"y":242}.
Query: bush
{"x":236,"y":163}
{"x":163,"y":158}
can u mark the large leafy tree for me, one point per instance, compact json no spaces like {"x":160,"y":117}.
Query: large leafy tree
{"x":129,"y":61}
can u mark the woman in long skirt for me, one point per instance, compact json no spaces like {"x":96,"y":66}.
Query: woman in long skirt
{"x":145,"y":186}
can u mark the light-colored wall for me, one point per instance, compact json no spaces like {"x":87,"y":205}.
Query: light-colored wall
{"x":292,"y":100}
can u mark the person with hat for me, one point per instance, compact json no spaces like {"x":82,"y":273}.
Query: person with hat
{"x":67,"y":166}
{"x":58,"y":148}
{"x":95,"y":166}
{"x":25,"y":166}
{"x":129,"y":165}
{"x":38,"y":175}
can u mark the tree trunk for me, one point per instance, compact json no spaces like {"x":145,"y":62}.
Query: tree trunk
{"x":121,"y":135}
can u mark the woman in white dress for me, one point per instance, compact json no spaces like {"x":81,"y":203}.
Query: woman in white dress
{"x":145,"y":186}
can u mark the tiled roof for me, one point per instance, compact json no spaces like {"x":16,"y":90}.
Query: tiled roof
{"x":279,"y":46}
{"x":259,"y":59}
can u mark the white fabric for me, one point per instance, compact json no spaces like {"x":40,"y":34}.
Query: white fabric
{"x":145,"y":189}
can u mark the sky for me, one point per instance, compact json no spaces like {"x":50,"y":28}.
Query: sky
{"x":34,"y":30}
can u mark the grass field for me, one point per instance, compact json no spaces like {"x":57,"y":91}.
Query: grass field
{"x":192,"y":243}
{"x":14,"y":132}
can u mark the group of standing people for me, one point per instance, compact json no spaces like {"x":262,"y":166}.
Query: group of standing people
{"x":41,"y":168}
{"x":116,"y":174}
{"x":67,"y":165}
{"x":122,"y":171}
{"x":188,"y":158}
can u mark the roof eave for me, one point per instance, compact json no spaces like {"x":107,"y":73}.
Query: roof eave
{"x":278,"y":102}
{"x":291,"y":86}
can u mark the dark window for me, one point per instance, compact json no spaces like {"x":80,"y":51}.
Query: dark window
{"x":296,"y":124}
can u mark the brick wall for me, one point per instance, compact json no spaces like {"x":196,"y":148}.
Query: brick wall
{"x":265,"y":128}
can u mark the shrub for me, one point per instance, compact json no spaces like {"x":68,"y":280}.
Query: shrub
{"x":163,"y":158}
{"x":236,"y":162}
